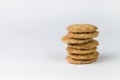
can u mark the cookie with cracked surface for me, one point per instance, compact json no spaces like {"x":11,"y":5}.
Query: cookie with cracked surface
{"x":82,"y":28}
{"x":80,"y":51}
{"x":89,"y":45}
{"x":75,"y":41}
{"x":79,"y":61}
{"x":93,"y":55}
{"x":83,"y":35}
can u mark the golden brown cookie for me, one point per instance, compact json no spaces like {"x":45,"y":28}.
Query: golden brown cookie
{"x":89,"y":45}
{"x":79,"y":61}
{"x":81,"y":28}
{"x":93,"y":55}
{"x":83,"y":35}
{"x":75,"y":41}
{"x":80,"y":51}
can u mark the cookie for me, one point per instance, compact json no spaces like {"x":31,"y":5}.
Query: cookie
{"x":83,"y":35}
{"x":79,"y":61}
{"x":93,"y":55}
{"x":89,"y":45}
{"x":81,"y":28}
{"x":75,"y":41}
{"x":80,"y":51}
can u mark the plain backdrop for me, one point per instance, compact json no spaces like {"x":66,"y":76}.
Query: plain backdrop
{"x":31,"y":32}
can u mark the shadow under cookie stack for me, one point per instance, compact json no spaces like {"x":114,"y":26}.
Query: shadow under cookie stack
{"x":82,"y":48}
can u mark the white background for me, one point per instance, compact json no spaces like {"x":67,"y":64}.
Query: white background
{"x":30,"y":39}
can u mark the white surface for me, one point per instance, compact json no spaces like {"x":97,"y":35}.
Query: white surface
{"x":30,"y":39}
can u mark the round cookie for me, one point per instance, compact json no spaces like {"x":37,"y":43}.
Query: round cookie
{"x":83,"y":35}
{"x":81,"y":28}
{"x":93,"y":55}
{"x":79,"y":61}
{"x":75,"y":41}
{"x":89,"y":45}
{"x":80,"y":51}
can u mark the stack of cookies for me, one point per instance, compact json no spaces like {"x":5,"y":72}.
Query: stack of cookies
{"x":82,"y":48}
